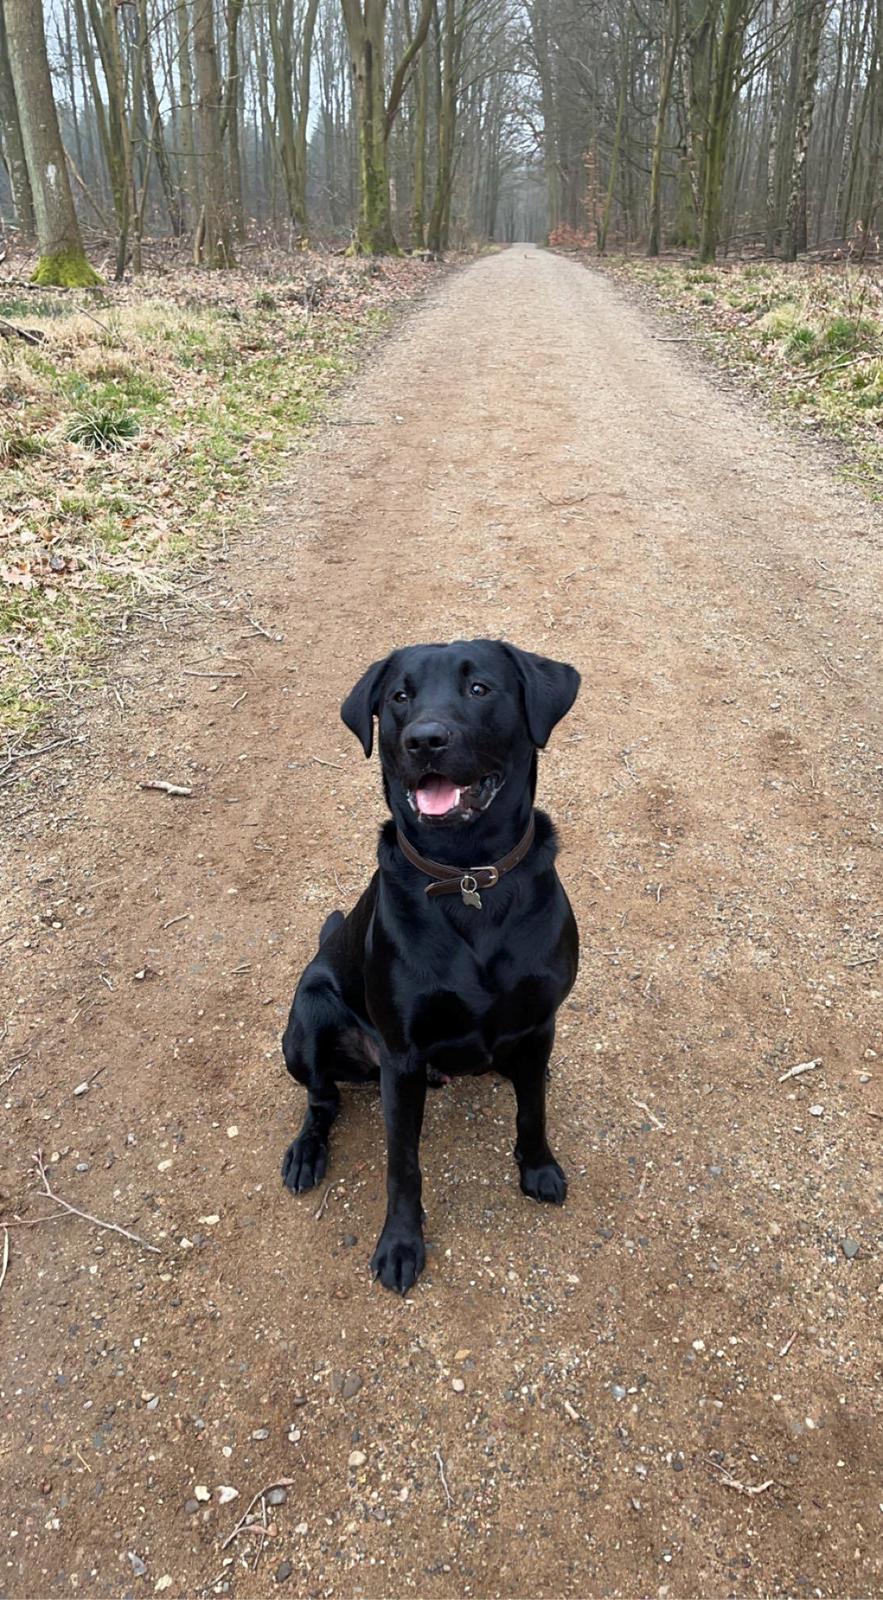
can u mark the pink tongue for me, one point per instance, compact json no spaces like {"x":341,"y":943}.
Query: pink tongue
{"x":435,"y":796}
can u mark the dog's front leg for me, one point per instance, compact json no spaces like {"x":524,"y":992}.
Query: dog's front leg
{"x":400,"y":1255}
{"x":541,"y":1176}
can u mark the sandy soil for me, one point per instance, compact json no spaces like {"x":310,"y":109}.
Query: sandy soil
{"x":673,"y":1386}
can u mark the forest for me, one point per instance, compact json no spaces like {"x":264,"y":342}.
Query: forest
{"x":428,"y":125}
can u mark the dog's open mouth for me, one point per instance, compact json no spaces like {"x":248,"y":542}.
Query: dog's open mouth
{"x":436,"y":797}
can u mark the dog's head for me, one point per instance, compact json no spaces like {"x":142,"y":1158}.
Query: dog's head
{"x":458,"y":724}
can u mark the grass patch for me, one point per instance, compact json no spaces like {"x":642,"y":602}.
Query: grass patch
{"x":137,"y":432}
{"x":810,"y":338}
{"x":100,"y":429}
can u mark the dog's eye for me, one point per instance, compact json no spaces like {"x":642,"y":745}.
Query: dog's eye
{"x":401,"y":695}
{"x":478,"y":689}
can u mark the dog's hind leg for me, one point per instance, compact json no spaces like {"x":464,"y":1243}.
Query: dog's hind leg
{"x":310,"y":1047}
{"x":305,"y":1160}
{"x":330,"y":925}
{"x":324,"y":1044}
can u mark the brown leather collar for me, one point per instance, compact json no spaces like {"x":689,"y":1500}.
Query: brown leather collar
{"x":466,"y":880}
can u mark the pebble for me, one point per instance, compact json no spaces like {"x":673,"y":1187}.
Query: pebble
{"x":817,"y":1111}
{"x":82,"y":1088}
{"x":617,"y":1390}
{"x":226,"y":1493}
{"x":457,"y":1385}
{"x":201,"y":1492}
{"x":283,"y":1571}
{"x":294,"y":1436}
{"x":349,"y":1239}
{"x":850,"y":1248}
{"x":165,"y":1582}
{"x":352,"y":1385}
{"x":357,"y":1458}
{"x":138,"y":1566}
{"x":277,"y":1497}
{"x":260,"y":1433}
{"x":233,"y":1133}
{"x":191,"y":1507}
{"x":82,"y":1166}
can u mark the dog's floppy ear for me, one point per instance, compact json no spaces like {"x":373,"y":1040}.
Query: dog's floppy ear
{"x":549,"y":688}
{"x":362,"y":704}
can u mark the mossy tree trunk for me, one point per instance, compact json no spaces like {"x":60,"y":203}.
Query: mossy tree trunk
{"x":62,"y":257}
{"x":726,"y":42}
{"x":375,"y":114}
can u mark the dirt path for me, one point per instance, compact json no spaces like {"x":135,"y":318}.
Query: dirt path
{"x":523,"y":460}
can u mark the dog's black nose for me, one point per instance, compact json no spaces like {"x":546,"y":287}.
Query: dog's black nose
{"x":426,"y":738}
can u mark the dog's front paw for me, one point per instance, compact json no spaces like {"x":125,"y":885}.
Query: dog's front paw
{"x":304,"y":1163}
{"x":399,"y":1259}
{"x":546,"y":1182}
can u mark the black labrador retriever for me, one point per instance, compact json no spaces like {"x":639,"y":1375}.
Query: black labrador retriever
{"x":463,"y":946}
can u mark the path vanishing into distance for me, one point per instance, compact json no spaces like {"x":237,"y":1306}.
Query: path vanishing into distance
{"x":673,"y":1386}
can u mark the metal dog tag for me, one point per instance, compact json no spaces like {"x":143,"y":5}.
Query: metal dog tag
{"x":469,"y":891}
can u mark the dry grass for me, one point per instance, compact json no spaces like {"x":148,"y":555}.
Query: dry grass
{"x":133,"y":433}
{"x":809,"y":337}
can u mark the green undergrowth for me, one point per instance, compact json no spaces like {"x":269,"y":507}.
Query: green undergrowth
{"x":133,"y":439}
{"x":810,"y":338}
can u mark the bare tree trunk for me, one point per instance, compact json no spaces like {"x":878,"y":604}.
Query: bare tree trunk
{"x":213,"y":245}
{"x":617,"y":144}
{"x":795,"y":223}
{"x":62,"y":257}
{"x":772,"y":160}
{"x":230,"y":115}
{"x":158,"y":142}
{"x":12,"y":143}
{"x":189,"y":171}
{"x":670,"y":39}
{"x":418,"y":212}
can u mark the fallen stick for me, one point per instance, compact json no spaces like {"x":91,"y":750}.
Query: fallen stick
{"x":167,"y":788}
{"x":188,"y":673}
{"x":802,"y":1066}
{"x":5,"y":1255}
{"x":112,"y":1227}
{"x":643,"y":1106}
{"x":8,"y":330}
{"x":788,"y":1343}
{"x":730,"y":1482}
{"x":325,"y":1199}
{"x":444,"y":1481}
{"x":277,"y":1483}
